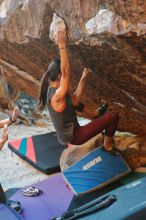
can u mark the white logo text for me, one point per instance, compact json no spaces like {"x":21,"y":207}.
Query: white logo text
{"x":92,"y":163}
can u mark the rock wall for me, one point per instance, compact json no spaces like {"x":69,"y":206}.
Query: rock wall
{"x":107,"y":36}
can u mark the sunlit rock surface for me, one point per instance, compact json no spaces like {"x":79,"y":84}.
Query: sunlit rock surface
{"x":107,"y":36}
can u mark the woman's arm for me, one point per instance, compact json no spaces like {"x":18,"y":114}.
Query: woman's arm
{"x":4,"y":136}
{"x":77,"y":96}
{"x":11,"y":119}
{"x":5,"y":121}
{"x":65,"y":66}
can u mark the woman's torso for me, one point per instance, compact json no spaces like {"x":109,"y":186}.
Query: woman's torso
{"x":64,"y":121}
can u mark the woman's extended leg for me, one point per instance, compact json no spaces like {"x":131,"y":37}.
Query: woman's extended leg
{"x":107,"y":122}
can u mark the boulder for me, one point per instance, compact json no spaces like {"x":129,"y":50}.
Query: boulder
{"x":107,"y":36}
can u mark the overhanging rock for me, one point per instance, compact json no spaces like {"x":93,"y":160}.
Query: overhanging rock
{"x":115,"y":56}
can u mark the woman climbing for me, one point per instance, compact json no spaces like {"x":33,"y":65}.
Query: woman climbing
{"x":54,"y":94}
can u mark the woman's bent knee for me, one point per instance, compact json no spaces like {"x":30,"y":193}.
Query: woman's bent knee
{"x":114,"y":116}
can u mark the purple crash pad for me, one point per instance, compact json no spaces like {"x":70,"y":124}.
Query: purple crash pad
{"x":54,"y":200}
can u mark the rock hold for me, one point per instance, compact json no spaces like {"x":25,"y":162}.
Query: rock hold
{"x":57,"y":22}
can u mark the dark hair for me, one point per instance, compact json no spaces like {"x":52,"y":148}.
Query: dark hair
{"x":51,"y":74}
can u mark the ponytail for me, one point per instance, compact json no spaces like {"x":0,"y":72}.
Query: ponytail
{"x":43,"y":91}
{"x":52,"y":75}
